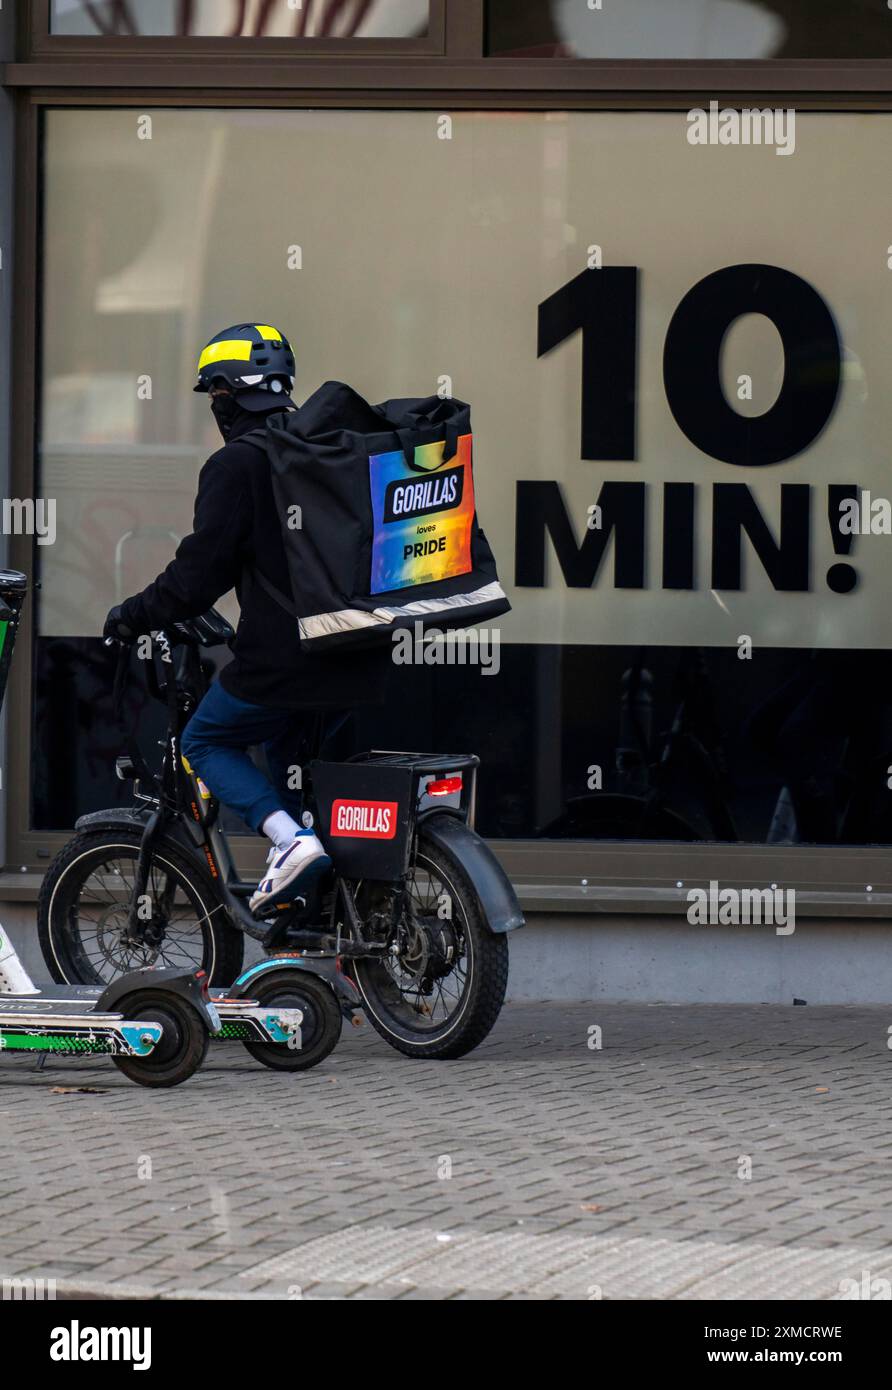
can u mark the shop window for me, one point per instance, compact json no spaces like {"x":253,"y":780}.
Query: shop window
{"x":698,"y":29}
{"x":677,"y":372}
{"x":322,"y":19}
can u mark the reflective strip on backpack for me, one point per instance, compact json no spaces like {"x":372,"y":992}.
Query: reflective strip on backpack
{"x":356,"y":619}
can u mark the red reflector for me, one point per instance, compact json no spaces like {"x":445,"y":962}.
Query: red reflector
{"x":445,"y":787}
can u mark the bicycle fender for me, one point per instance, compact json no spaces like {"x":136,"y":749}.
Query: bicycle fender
{"x":136,"y":819}
{"x":115,"y":818}
{"x":492,"y":887}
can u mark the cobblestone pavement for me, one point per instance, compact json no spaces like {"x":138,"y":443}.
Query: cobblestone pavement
{"x":537,"y":1167}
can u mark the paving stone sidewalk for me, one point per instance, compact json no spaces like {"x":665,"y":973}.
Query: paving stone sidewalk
{"x":701,"y":1152}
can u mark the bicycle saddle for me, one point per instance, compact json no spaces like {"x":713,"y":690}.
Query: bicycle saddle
{"x":209,"y":630}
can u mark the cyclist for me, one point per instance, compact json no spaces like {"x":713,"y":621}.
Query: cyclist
{"x":270,"y":692}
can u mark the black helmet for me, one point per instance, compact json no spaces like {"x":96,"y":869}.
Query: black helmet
{"x":253,"y":360}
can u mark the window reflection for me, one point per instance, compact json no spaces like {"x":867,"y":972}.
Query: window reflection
{"x":705,"y":29}
{"x":325,"y":19}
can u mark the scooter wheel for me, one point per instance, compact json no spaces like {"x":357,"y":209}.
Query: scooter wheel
{"x":183,"y":1045}
{"x":321,"y":1027}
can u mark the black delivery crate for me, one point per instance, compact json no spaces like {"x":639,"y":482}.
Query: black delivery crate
{"x":366,"y":808}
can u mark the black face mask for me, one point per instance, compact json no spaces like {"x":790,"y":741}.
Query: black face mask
{"x":224,"y":409}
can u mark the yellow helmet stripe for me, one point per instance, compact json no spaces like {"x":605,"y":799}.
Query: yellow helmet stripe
{"x":233,"y":350}
{"x":270,"y":334}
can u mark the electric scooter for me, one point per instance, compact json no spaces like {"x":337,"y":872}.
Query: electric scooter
{"x":155,"y":1024}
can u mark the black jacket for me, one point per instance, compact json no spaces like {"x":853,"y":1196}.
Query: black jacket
{"x":236,"y":527}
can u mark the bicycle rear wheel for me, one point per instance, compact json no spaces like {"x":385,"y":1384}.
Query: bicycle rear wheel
{"x":440,"y":993}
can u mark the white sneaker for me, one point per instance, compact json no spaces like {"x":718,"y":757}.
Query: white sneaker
{"x":291,"y":868}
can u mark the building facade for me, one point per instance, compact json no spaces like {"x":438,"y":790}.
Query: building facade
{"x":649,"y":240}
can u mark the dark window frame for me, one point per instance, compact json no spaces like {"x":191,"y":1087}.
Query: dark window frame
{"x":451,"y":59}
{"x":628,"y":877}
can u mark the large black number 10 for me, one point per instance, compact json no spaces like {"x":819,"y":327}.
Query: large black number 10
{"x":603,"y":305}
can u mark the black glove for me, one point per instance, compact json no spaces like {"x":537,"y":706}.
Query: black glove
{"x":115,"y":628}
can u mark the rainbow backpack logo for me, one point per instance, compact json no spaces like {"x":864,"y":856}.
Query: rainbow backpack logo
{"x":422,"y":516}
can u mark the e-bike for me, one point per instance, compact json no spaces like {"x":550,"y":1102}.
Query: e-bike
{"x":410,"y":927}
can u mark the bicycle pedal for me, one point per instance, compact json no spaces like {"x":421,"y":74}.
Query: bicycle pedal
{"x":270,"y":912}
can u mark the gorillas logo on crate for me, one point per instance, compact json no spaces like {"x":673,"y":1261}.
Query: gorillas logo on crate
{"x":364,"y":820}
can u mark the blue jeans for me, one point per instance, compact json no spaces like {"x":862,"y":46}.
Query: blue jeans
{"x":216,"y":743}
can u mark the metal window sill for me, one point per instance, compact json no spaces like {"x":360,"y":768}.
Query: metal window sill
{"x":558,"y":898}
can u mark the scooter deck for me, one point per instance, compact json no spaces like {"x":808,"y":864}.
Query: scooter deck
{"x":242,"y":1021}
{"x":67,"y":1005}
{"x":46,"y":1005}
{"x":66,"y":1009}
{"x":22,"y":1031}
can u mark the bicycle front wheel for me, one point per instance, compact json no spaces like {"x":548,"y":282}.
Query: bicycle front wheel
{"x":83,"y":910}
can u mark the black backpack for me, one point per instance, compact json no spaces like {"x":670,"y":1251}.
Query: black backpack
{"x":378,"y":518}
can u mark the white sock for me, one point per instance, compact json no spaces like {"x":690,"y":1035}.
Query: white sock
{"x":281,"y":829}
